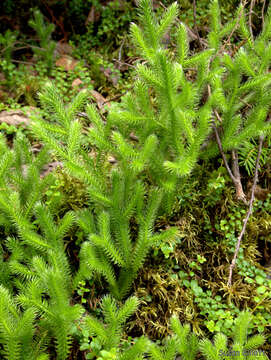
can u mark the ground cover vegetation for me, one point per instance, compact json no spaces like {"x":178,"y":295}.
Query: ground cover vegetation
{"x":135,"y":206}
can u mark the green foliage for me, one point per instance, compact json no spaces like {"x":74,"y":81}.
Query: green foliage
{"x":64,"y":80}
{"x":241,"y":99}
{"x":17,"y":331}
{"x":220,"y":314}
{"x":155,"y":137}
{"x":108,"y":335}
{"x":21,"y":185}
{"x":113,"y":245}
{"x":167,"y":102}
{"x":210,"y":213}
{"x":217,"y":315}
{"x":166,"y":244}
{"x":170,"y":124}
{"x":157,"y":112}
{"x":36,"y":256}
{"x":8,"y":129}
{"x":7,"y":41}
{"x":242,"y":345}
{"x":202,"y":14}
{"x":102,"y":340}
{"x":47,"y":45}
{"x":112,"y":21}
{"x":216,"y":186}
{"x":186,"y":342}
{"x":77,"y":11}
{"x":115,"y":204}
{"x":114,"y":17}
{"x":104,"y":71}
{"x":248,"y":155}
{"x":58,"y":316}
{"x":187,"y":345}
{"x":44,"y":276}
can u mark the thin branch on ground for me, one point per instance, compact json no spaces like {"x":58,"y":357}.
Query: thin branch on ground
{"x":124,"y":63}
{"x":249,"y":212}
{"x":23,"y":62}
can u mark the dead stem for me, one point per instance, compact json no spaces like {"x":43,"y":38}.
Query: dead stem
{"x":249,"y":212}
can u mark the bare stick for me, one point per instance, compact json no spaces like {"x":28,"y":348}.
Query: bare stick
{"x":219,"y":141}
{"x":249,"y":212}
{"x":252,"y":4}
{"x":236,"y":172}
{"x":233,"y":30}
{"x":22,"y":62}
{"x":120,"y":50}
{"x":263,"y":13}
{"x":124,"y":63}
{"x":235,"y":175}
{"x":222,"y":153}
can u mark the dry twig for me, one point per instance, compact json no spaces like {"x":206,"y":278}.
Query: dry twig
{"x":263,"y":7}
{"x":252,"y":4}
{"x":233,"y":30}
{"x":249,"y":212}
{"x":120,"y":53}
{"x":235,"y":175}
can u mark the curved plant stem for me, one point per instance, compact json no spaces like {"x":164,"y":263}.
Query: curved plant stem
{"x":235,"y":175}
{"x":252,"y":4}
{"x":249,"y":212}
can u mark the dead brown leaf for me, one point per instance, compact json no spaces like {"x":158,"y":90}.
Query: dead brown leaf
{"x":76,"y":82}
{"x":66,"y":62}
{"x":100,"y":100}
{"x":18,"y":117}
